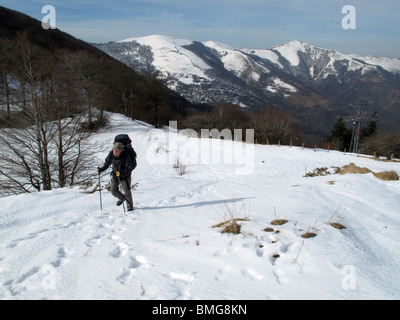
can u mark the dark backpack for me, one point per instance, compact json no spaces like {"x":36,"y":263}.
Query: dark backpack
{"x":127,"y":142}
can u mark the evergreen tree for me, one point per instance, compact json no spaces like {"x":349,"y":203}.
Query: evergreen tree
{"x":370,"y":129}
{"x":340,"y":137}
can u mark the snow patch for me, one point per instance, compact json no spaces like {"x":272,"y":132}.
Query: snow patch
{"x":279,"y":85}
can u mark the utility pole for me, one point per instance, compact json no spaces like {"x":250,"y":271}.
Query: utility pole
{"x":355,"y":136}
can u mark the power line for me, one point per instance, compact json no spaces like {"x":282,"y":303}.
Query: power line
{"x":355,"y":136}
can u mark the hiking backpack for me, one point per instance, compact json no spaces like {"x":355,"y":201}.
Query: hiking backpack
{"x":127,"y":142}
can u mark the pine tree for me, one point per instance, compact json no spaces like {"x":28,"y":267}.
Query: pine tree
{"x":340,"y":137}
{"x":370,"y":129}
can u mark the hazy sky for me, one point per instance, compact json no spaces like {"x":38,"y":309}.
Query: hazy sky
{"x":254,"y":24}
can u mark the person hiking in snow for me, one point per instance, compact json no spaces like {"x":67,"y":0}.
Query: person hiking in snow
{"x":122,"y":166}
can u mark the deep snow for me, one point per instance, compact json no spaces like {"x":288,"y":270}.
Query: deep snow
{"x":60,"y":245}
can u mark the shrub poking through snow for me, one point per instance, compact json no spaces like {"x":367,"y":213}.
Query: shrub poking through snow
{"x":232,"y":227}
{"x":230,"y":218}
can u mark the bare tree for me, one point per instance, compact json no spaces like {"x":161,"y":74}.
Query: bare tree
{"x":274,"y":126}
{"x":49,"y":149}
{"x":385,"y":144}
{"x":31,"y":72}
{"x":6,"y":62}
{"x":84,"y":70}
{"x":155,"y":92}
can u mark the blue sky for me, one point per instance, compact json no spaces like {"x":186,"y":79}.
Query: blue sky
{"x":255,"y":24}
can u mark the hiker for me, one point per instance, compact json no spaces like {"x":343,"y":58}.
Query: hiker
{"x":122,"y":166}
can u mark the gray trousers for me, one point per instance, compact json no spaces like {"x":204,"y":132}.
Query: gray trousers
{"x":126,"y":187}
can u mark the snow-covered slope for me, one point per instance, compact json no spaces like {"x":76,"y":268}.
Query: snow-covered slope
{"x":59,"y":244}
{"x":238,"y":62}
{"x":324,"y":62}
{"x":170,"y":57}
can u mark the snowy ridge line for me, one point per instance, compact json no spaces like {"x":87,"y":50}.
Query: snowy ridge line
{"x":296,"y":74}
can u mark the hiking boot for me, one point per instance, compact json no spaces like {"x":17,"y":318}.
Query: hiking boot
{"x":130,"y":209}
{"x":119,"y":202}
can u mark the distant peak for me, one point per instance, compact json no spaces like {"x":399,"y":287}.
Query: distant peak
{"x":160,"y":39}
{"x":295,"y":44}
{"x":217,"y":45}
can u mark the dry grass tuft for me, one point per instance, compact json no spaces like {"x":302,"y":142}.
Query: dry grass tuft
{"x":337,"y":225}
{"x":387,"y":175}
{"x":335,"y":215}
{"x":230,"y":217}
{"x":232,"y":227}
{"x":278,"y":222}
{"x":352,"y":168}
{"x":384,"y":175}
{"x":308,"y":235}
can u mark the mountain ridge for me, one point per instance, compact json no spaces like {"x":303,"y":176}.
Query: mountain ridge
{"x":317,"y":85}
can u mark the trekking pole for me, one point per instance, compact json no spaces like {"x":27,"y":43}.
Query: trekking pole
{"x":101,"y":204}
{"x":123,"y":206}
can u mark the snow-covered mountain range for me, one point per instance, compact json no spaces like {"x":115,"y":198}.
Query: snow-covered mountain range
{"x":291,"y":75}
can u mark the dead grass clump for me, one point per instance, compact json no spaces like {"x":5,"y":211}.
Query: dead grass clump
{"x":352,"y":168}
{"x":337,"y":225}
{"x":335,"y":215}
{"x":324,"y":171}
{"x":308,"y":234}
{"x":278,"y":222}
{"x":230,"y":219}
{"x":387,"y":175}
{"x":232,"y":227}
{"x":318,"y":172}
{"x":269,"y":229}
{"x":384,"y":175}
